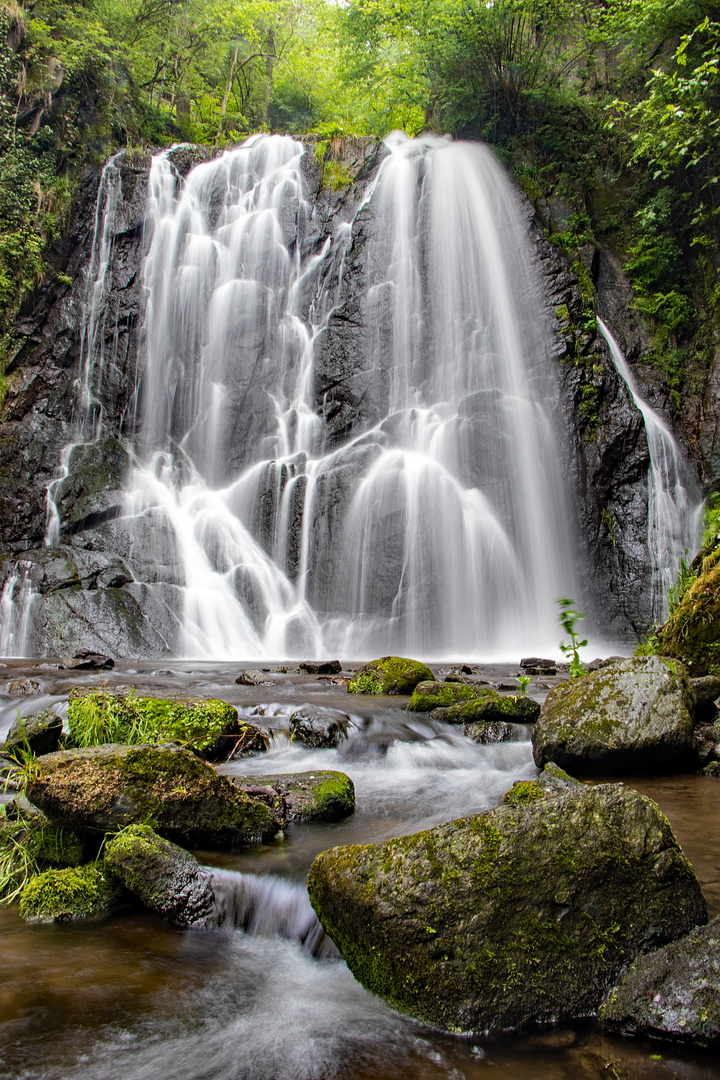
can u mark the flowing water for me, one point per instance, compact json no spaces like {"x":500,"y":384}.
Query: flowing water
{"x":673,"y":509}
{"x":263,"y":995}
{"x":439,"y":522}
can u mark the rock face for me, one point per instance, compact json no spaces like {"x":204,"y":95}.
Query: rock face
{"x":40,"y":733}
{"x":635,"y":716}
{"x":105,"y":788}
{"x":318,"y":728}
{"x":315,"y":796}
{"x":165,"y":878}
{"x":74,"y":893}
{"x":672,"y":993}
{"x":389,"y":675}
{"x":524,"y":914}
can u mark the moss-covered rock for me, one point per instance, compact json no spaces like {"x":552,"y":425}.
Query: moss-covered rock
{"x":673,"y":993}
{"x":692,"y":633}
{"x":210,"y":726}
{"x":552,"y":781}
{"x":389,"y":675}
{"x":105,"y":788}
{"x":40,"y":733}
{"x":308,"y":796}
{"x":489,"y":707}
{"x":30,"y":843}
{"x":527,"y":913}
{"x":635,"y":716}
{"x":429,"y":695}
{"x":164,"y":877}
{"x":78,"y":892}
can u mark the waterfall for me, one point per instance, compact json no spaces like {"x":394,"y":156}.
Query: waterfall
{"x":267,"y":906}
{"x":438,"y":523}
{"x":672,"y":529}
{"x":16,"y":603}
{"x":93,"y":336}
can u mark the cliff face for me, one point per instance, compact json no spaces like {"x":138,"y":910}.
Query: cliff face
{"x":102,"y":584}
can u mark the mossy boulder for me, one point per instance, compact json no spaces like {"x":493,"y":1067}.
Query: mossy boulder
{"x":165,"y":878}
{"x":40,"y":733}
{"x":692,"y":633}
{"x":210,"y":726}
{"x":308,"y":796}
{"x":105,"y":788}
{"x":673,"y":993}
{"x":30,"y":843}
{"x":525,"y":914}
{"x":635,"y":716}
{"x":430,"y":694}
{"x":318,"y":728}
{"x":389,"y":675}
{"x":489,"y":707}
{"x":551,"y":782}
{"x":78,"y":892}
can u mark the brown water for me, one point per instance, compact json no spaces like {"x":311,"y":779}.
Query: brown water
{"x":131,"y":998}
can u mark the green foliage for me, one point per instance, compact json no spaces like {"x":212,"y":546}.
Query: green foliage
{"x":684,"y":580}
{"x":524,"y":681}
{"x":568,"y":619}
{"x":711,"y":521}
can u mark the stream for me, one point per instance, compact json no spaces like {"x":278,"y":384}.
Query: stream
{"x":264,"y":996}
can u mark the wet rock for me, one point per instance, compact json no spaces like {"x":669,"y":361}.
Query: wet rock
{"x":80,"y":892}
{"x":253,"y":677}
{"x":210,"y":726}
{"x":322,"y":667}
{"x":536,"y":665}
{"x":24,"y":687}
{"x":40,"y":733}
{"x":318,"y":728}
{"x":706,"y":692}
{"x":490,"y":707}
{"x":673,"y":993}
{"x":93,"y":486}
{"x":604,"y":661}
{"x":87,"y":660}
{"x":525,"y":914}
{"x":309,"y":796}
{"x":105,"y":788}
{"x":713,"y":769}
{"x":29,"y":843}
{"x":165,"y":878}
{"x":389,"y":675}
{"x":489,"y":732}
{"x":707,"y":739}
{"x":635,"y":716}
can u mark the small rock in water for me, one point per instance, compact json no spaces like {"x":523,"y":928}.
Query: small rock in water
{"x":496,"y":731}
{"x":253,"y":677}
{"x":315,"y":796}
{"x":24,"y":686}
{"x":87,"y":660}
{"x":389,"y":675}
{"x":40,"y":733}
{"x":164,"y":671}
{"x":321,"y":667}
{"x":536,"y":665}
{"x":318,"y":728}
{"x":166,"y":879}
{"x":506,"y":686}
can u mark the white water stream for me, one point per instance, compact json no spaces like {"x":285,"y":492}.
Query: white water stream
{"x":673,"y":512}
{"x":438,"y":527}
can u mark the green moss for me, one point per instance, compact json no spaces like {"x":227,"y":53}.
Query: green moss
{"x":433,"y":695}
{"x":335,"y":797}
{"x":389,"y":675}
{"x":73,"y":893}
{"x":524,"y":791}
{"x":692,"y":632}
{"x":210,"y":726}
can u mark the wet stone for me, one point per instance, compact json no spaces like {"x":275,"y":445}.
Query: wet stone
{"x":318,"y":728}
{"x":253,"y":677}
{"x":308,"y":796}
{"x":490,"y":732}
{"x":24,"y":687}
{"x":40,"y":733}
{"x":536,"y":665}
{"x":321,"y":667}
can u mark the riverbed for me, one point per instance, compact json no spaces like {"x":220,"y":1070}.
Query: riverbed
{"x":263,"y":997}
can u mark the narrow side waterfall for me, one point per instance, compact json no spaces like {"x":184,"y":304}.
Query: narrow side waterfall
{"x":439,"y":524}
{"x":16,"y":604}
{"x":672,"y":529}
{"x":266,"y":906}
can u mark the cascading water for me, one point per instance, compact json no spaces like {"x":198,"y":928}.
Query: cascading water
{"x":440,"y":525}
{"x":16,"y":604}
{"x":672,"y":529}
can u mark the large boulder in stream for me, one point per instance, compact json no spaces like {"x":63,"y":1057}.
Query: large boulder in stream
{"x":636,"y":716}
{"x":318,"y":728}
{"x":307,"y":796}
{"x":525,"y":914}
{"x":105,"y":788}
{"x":673,"y":993}
{"x":165,"y":878}
{"x":389,"y":675}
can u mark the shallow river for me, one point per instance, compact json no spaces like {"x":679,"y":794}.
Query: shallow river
{"x":261,"y":997}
